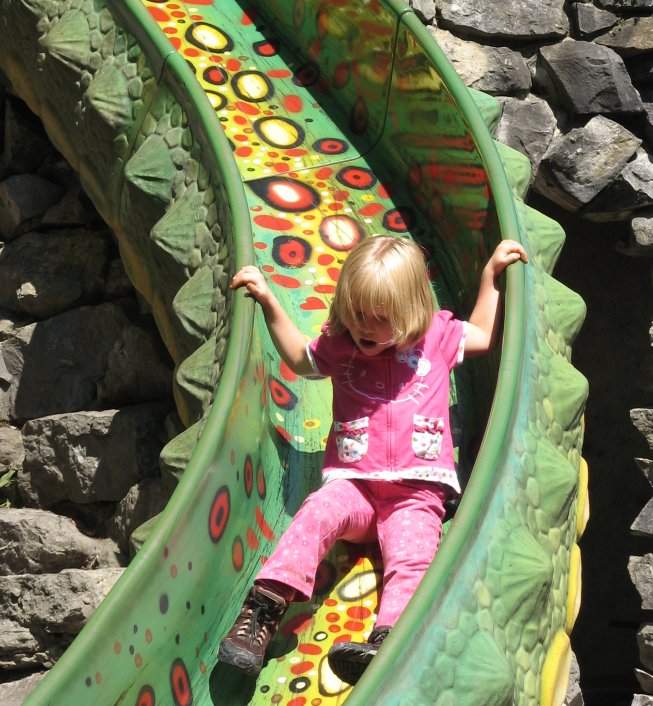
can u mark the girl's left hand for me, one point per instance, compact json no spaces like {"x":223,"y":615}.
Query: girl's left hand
{"x":506,"y":252}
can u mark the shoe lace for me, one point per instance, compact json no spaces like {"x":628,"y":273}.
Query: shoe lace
{"x":378,"y":635}
{"x":258,"y":620}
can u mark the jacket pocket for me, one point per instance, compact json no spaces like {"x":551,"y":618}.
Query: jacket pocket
{"x":352,"y":439}
{"x":427,"y":436}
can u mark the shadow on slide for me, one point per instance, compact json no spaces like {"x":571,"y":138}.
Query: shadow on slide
{"x":215,"y":134}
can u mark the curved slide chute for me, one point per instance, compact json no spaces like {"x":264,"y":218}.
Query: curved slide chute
{"x":214,"y":134}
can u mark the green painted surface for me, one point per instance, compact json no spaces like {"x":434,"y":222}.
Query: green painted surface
{"x":211,"y":135}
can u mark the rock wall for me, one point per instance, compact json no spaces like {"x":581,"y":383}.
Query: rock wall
{"x":85,"y":406}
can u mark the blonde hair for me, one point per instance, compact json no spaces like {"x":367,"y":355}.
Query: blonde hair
{"x":384,"y":276}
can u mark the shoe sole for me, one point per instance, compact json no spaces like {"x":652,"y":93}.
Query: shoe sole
{"x":240,"y":659}
{"x":349,"y":662}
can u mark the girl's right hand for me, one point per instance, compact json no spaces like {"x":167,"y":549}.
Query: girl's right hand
{"x":289,"y":341}
{"x":253,"y":280}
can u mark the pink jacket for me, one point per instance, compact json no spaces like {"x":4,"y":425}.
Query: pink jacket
{"x":391,"y":411}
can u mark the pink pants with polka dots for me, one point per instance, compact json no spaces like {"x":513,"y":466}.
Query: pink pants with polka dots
{"x":405,"y":517}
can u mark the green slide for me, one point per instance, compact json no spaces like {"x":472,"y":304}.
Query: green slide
{"x":216,"y":133}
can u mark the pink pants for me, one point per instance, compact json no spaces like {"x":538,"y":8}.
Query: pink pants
{"x":405,"y":516}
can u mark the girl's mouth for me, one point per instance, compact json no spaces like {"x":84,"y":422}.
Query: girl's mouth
{"x":367,"y":343}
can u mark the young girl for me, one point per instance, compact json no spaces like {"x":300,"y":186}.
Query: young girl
{"x":389,"y":462}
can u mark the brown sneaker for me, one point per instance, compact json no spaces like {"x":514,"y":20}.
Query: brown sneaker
{"x":245,"y":644}
{"x":348,"y":660}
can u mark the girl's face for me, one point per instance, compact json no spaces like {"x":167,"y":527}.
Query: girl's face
{"x":372,"y":334}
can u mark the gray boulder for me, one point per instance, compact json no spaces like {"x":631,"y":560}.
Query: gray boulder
{"x":643,"y":524}
{"x":48,"y":272}
{"x":38,"y":542}
{"x":14,"y":693}
{"x":143,"y":501}
{"x":527,"y":126}
{"x":424,"y":9}
{"x":640,"y":569}
{"x":630,"y":192}
{"x":591,"y":20}
{"x":574,"y":696}
{"x":645,"y":644}
{"x":526,"y":20}
{"x":587,"y":79}
{"x":631,"y":37}
{"x":621,"y":5}
{"x":640,"y":244}
{"x":24,"y":198}
{"x":493,"y":70}
{"x":645,"y":680}
{"x":580,"y":164}
{"x":642,"y":419}
{"x":89,"y":457}
{"x":642,"y":700}
{"x":54,"y":366}
{"x":12,"y":452}
{"x":42,"y":614}
{"x":139,"y":368}
{"x":641,"y":237}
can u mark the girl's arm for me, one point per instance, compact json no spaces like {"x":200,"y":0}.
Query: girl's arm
{"x":484,"y":321}
{"x":289,"y":341}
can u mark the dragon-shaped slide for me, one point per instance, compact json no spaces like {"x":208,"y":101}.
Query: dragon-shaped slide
{"x":214,"y":134}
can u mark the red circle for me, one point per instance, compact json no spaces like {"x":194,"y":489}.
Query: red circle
{"x":238,"y":554}
{"x":248,"y":474}
{"x":146,"y":696}
{"x":399,"y":220}
{"x":182,"y":693}
{"x":261,"y":488}
{"x":219,"y":514}
{"x":215,"y":75}
{"x":265,"y":48}
{"x":281,"y":395}
{"x":288,"y":251}
{"x":356,"y":177}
